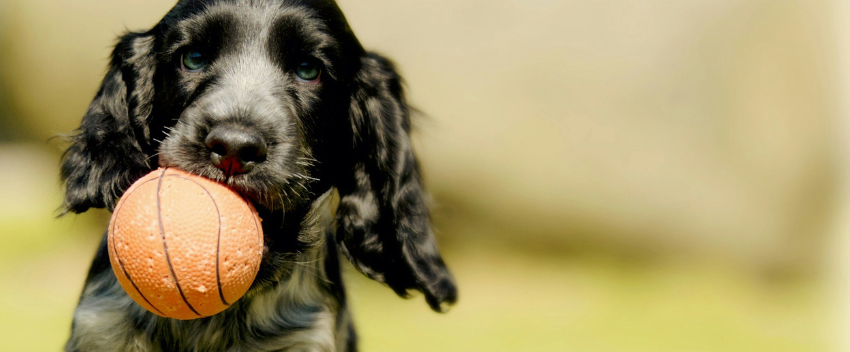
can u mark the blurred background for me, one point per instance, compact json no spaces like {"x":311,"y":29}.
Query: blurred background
{"x":654,"y":175}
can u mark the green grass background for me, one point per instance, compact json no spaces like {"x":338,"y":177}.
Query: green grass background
{"x":510,"y":300}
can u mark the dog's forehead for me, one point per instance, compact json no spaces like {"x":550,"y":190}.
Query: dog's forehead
{"x":253,"y":19}
{"x":252,"y":22}
{"x":319,"y":27}
{"x":254,"y":9}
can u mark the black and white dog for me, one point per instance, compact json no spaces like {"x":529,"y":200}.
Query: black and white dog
{"x":278,"y":99}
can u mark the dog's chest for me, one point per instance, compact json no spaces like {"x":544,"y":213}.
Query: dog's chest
{"x":291,"y":317}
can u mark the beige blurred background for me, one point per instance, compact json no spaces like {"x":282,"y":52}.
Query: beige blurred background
{"x":617,"y":175}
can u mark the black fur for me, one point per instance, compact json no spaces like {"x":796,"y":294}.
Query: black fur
{"x":347,"y":132}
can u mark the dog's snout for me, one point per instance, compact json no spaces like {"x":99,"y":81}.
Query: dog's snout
{"x":235,"y":149}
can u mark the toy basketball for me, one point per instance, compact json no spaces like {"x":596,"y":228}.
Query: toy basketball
{"x":184,"y":246}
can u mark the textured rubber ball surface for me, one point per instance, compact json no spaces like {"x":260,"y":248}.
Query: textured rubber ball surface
{"x":183,"y":246}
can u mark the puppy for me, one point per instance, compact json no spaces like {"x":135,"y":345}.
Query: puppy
{"x":278,"y":99}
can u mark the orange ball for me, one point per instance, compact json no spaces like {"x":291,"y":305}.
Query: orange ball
{"x":183,"y":246}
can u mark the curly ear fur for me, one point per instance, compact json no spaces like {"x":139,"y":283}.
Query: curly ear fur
{"x":110,"y":148}
{"x":383,"y":218}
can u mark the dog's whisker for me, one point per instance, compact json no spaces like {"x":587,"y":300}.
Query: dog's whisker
{"x":309,"y":262}
{"x":309,"y":265}
{"x":282,"y":205}
{"x":306,"y":161}
{"x":305,"y":177}
{"x":154,"y":155}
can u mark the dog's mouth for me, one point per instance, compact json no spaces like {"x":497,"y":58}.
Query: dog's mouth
{"x":266,"y":163}
{"x":266,"y":188}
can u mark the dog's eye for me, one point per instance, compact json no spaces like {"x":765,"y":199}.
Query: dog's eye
{"x":308,"y":71}
{"x":194,"y":61}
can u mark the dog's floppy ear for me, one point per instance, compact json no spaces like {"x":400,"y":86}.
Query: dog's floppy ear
{"x":110,"y":148}
{"x":383,"y":221}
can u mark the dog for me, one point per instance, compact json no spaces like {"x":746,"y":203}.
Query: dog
{"x":278,"y":100}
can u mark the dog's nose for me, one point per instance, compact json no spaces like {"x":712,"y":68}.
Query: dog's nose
{"x":235,"y":149}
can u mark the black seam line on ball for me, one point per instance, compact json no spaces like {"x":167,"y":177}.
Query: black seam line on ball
{"x":218,"y":244}
{"x":165,"y":245}
{"x":256,"y":225}
{"x":118,"y":256}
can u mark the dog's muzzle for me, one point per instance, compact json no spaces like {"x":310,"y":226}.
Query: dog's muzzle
{"x":235,"y":149}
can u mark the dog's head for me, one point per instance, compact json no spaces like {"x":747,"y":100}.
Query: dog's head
{"x":279,"y":100}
